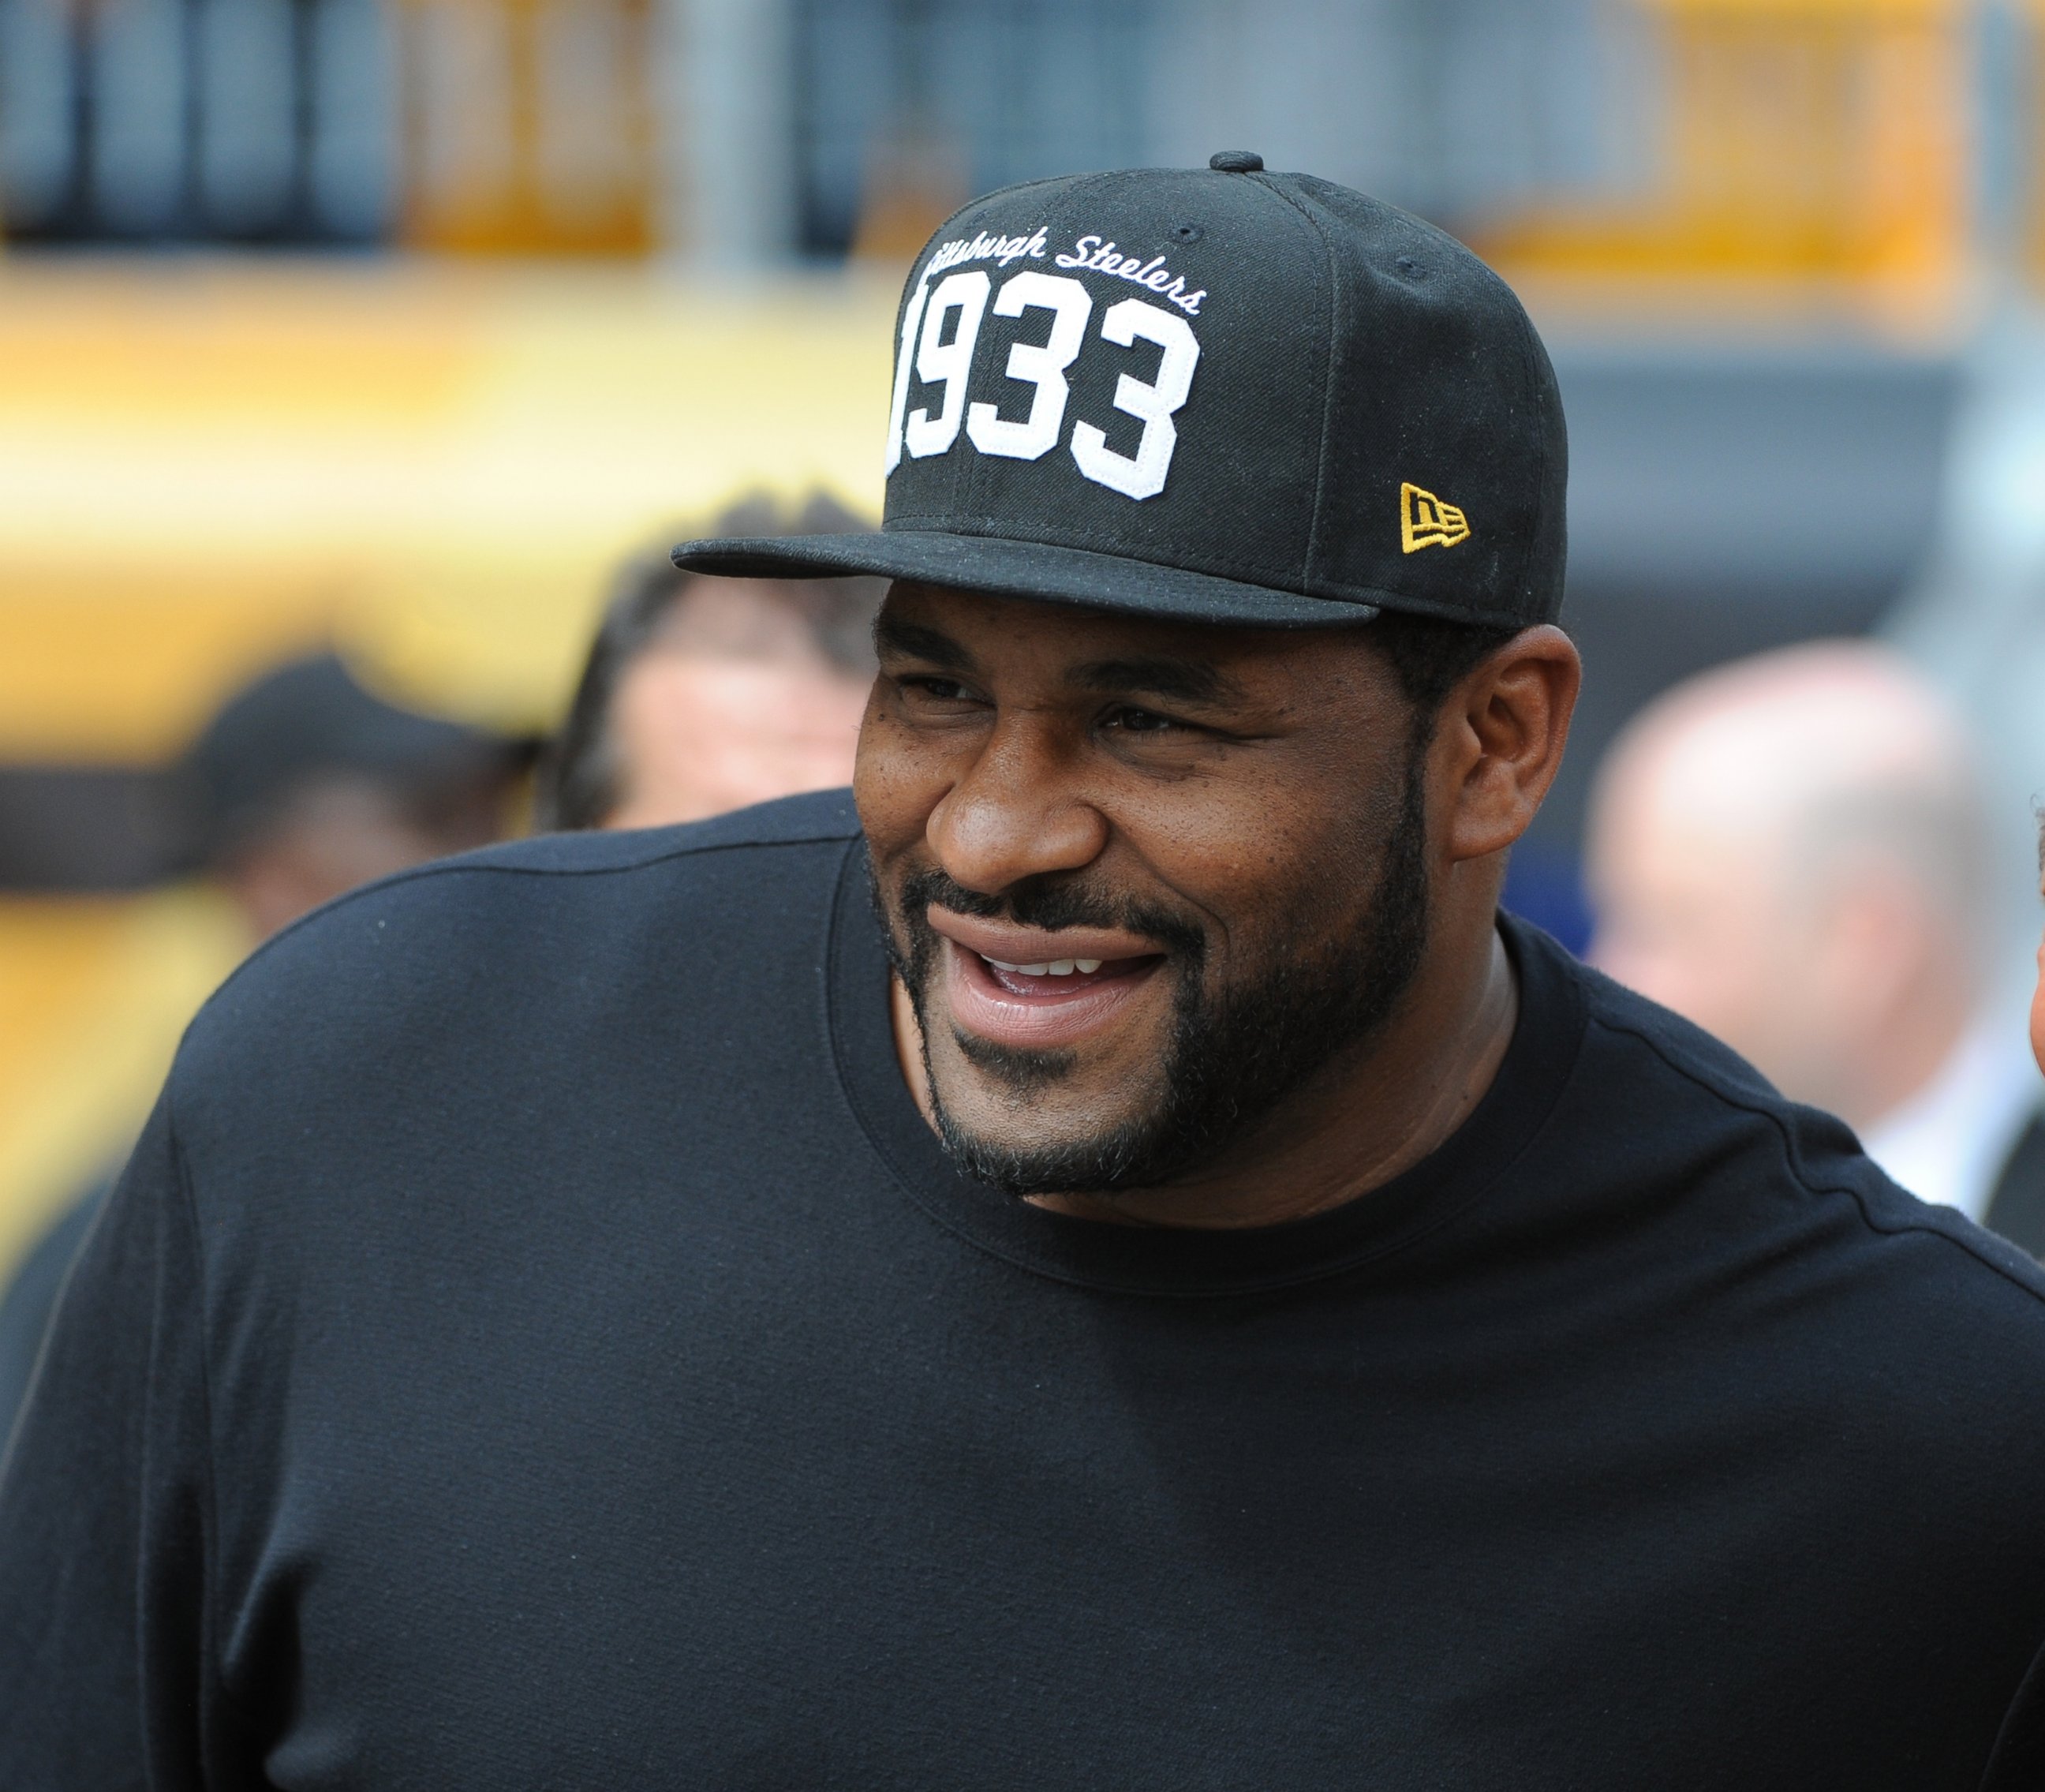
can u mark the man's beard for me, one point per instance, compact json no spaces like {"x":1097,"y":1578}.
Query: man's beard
{"x":1232,"y":1055}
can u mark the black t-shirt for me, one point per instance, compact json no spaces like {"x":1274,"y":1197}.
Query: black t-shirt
{"x":537,"y":1344}
{"x":31,"y":1298}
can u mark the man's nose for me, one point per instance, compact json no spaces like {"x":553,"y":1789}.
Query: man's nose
{"x":1018,"y":811}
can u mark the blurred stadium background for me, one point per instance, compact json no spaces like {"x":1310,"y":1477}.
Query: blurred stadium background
{"x":395,"y":322}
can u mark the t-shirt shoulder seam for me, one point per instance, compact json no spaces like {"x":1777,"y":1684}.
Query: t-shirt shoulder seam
{"x":466,"y":866}
{"x":1793,"y":1159}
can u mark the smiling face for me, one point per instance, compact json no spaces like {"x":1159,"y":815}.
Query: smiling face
{"x":1142,"y":879}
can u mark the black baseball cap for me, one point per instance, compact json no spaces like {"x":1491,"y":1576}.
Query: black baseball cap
{"x":310,"y":719}
{"x":1221,"y":395}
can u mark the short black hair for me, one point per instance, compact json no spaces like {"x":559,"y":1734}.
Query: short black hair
{"x":580,"y":780}
{"x":1431,"y":655}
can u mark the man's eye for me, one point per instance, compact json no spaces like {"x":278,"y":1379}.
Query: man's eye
{"x":1143,"y":722}
{"x":944,"y":690}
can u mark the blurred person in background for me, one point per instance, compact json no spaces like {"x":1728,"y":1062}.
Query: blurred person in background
{"x":303,"y":786}
{"x":1792,"y":851}
{"x":2037,"y":1016}
{"x":703,"y":694}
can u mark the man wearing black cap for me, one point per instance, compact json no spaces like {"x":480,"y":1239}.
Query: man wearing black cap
{"x":1191,"y":1298}
{"x":306,"y":784}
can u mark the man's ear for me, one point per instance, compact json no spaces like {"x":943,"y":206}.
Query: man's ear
{"x":1500,"y":740}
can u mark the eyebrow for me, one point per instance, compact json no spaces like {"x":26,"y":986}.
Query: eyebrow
{"x":1188,"y":681}
{"x":913,"y":642}
{"x":1178,"y":677}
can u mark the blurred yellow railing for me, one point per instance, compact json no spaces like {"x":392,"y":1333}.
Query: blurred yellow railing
{"x":203,"y":466}
{"x":1798,"y":141}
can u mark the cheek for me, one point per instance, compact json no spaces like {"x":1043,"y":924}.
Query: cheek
{"x":898,"y":776}
{"x":1267,"y":868}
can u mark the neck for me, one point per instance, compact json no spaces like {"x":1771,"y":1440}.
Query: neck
{"x":1370,"y":1118}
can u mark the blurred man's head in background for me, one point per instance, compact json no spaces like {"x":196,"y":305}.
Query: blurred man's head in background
{"x":1791,"y":851}
{"x":704,"y":694}
{"x":2038,"y":993}
{"x":305,"y":785}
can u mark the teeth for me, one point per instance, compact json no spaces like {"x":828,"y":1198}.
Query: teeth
{"x":1056,"y":967}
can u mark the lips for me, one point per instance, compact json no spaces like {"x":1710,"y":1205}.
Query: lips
{"x":1039,"y":989}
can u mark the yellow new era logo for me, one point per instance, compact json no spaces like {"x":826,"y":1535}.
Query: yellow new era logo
{"x":1426,"y":521}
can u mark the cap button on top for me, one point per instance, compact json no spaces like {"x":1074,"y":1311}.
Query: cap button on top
{"x":1235,"y":161}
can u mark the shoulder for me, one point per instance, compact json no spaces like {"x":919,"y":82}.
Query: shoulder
{"x":820,"y":818}
{"x":511,"y":935}
{"x":1759,"y":1245}
{"x":1680,"y":1096}
{"x":32,"y":1297}
{"x":518,"y":871}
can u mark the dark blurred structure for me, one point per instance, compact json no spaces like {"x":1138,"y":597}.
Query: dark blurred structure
{"x":481,"y":125}
{"x":1727,"y":500}
{"x":904,"y":108}
{"x":1455,"y":108}
{"x":88,"y":827}
{"x":232,"y":121}
{"x":295,"y":737}
{"x":756,"y":130}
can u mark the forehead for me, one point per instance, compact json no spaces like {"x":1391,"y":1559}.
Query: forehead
{"x":997,"y":629}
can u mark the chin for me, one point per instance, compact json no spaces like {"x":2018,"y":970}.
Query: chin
{"x":1026,"y":1143}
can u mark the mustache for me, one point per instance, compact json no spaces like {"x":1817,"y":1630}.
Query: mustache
{"x":1049,"y":902}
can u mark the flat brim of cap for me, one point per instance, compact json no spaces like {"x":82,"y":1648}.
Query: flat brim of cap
{"x":1027,"y":570}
